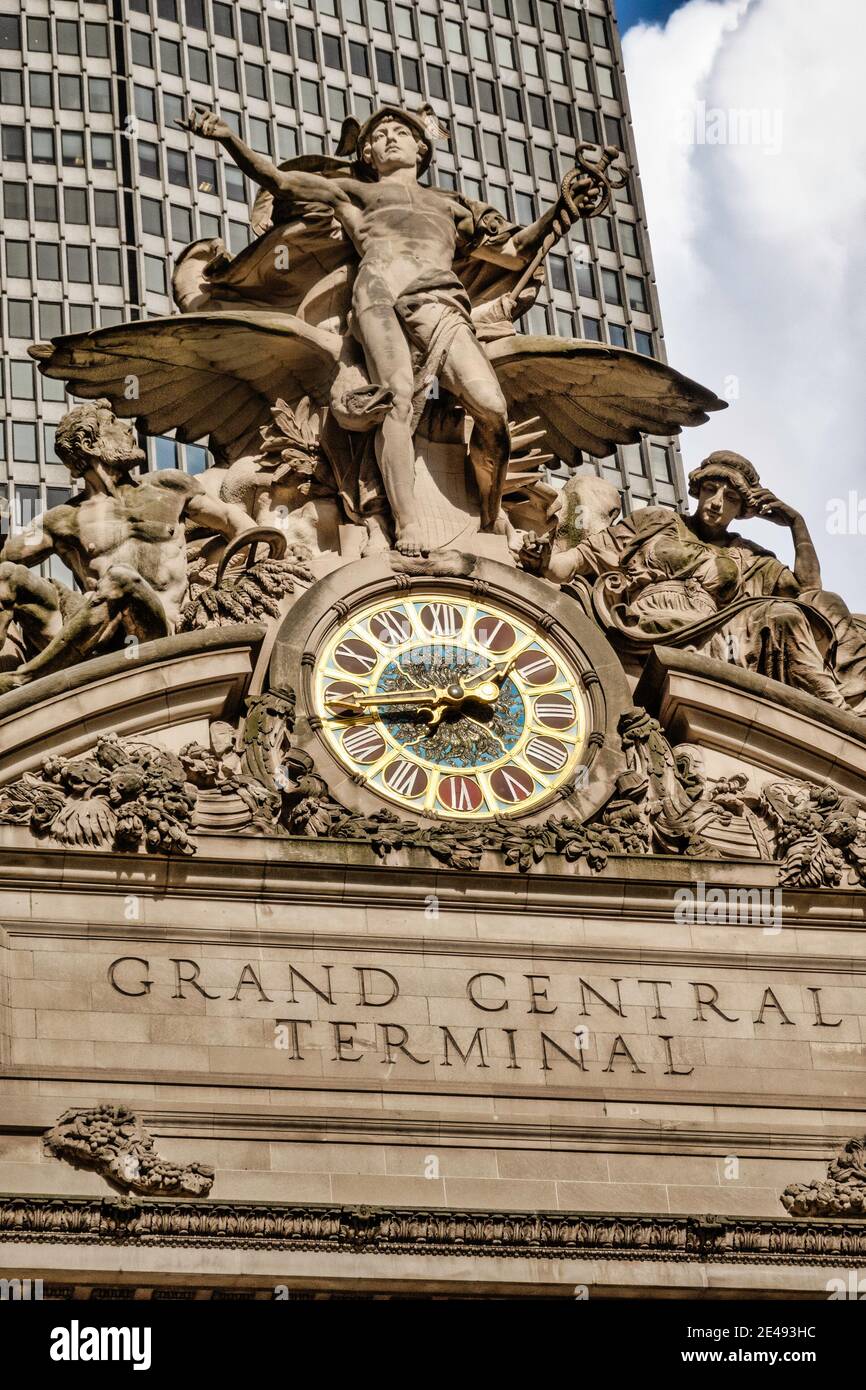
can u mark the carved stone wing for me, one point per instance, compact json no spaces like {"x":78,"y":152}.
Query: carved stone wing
{"x":211,"y":374}
{"x":590,"y":397}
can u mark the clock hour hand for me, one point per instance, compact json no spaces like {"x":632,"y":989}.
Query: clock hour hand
{"x":497,"y":671}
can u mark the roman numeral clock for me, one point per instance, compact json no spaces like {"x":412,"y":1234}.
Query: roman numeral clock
{"x":461,"y":697}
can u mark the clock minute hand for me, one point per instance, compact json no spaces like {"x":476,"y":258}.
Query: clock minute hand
{"x":431,"y":698}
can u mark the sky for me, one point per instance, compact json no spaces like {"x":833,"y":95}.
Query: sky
{"x":751,"y":143}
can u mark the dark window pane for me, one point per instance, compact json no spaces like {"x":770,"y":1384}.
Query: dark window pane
{"x":108,"y":266}
{"x":78,"y":264}
{"x":10,"y":31}
{"x":145,"y":102}
{"x":167,"y":9}
{"x":96,"y":40}
{"x":310,"y":97}
{"x":40,"y":89}
{"x":513,"y":104}
{"x":278,"y":35}
{"x":99,"y":93}
{"x":250,"y":28}
{"x":610,"y":284}
{"x":169,"y":57}
{"x":42,"y":146}
{"x":151,"y":216}
{"x":67,"y":36}
{"x":72,"y":148}
{"x":487,"y":96}
{"x":148,"y":159}
{"x":47,"y":261}
{"x":558,"y":272}
{"x":358,"y":59}
{"x":195,"y":13}
{"x":69,"y":88}
{"x":222,"y":20}
{"x":205,"y":174}
{"x":411,"y":74}
{"x":628,"y":239}
{"x":254,"y":76}
{"x":585,"y":280}
{"x":617,"y":335}
{"x":564,"y":118}
{"x":20,"y":318}
{"x":636,"y":293}
{"x":38,"y":36}
{"x":538,"y":112}
{"x":24,"y":451}
{"x":75,"y":206}
{"x":104,"y":207}
{"x":592,"y":329}
{"x":462,"y":92}
{"x":141,"y":53}
{"x":13,"y":143}
{"x":177,"y":168}
{"x":385,"y":67}
{"x":435,"y":81}
{"x":332,"y":51}
{"x":15,"y":199}
{"x":173,"y":109}
{"x":10,"y":87}
{"x":588,"y":125}
{"x":199,"y":66}
{"x":50,"y":319}
{"x":181,"y":225}
{"x":18,"y":258}
{"x":45,"y":202}
{"x":603,"y":232}
{"x":227,"y":74}
{"x":102,"y":151}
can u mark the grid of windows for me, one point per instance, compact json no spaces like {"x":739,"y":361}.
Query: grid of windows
{"x":102,"y":188}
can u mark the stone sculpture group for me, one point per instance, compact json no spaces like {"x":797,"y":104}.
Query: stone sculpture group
{"x":359,"y":377}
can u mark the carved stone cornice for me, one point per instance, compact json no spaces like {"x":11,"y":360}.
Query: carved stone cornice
{"x":404,"y":1231}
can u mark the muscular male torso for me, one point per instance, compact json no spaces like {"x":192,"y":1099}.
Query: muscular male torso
{"x":141,"y":527}
{"x":400,"y":232}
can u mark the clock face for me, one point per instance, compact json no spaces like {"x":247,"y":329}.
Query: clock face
{"x":450,"y":706}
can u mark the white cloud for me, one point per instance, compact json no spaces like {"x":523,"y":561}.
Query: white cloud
{"x":758,"y":247}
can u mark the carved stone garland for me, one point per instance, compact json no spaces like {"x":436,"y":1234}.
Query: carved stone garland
{"x":127,"y":794}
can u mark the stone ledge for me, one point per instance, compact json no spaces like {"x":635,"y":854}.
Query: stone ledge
{"x":736,"y":712}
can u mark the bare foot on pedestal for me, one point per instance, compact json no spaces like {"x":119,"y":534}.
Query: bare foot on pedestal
{"x":410,"y":540}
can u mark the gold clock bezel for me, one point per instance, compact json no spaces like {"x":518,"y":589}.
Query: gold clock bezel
{"x":525,"y":776}
{"x":601,"y":682}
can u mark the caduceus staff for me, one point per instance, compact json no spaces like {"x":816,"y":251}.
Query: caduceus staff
{"x":586,"y":192}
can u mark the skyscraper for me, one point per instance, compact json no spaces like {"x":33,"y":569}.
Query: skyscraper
{"x":102,"y":189}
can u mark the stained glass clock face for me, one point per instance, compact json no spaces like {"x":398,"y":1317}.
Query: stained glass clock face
{"x":449,"y":706}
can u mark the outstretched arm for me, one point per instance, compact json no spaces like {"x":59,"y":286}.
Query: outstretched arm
{"x":262,"y":170}
{"x":225,"y":518}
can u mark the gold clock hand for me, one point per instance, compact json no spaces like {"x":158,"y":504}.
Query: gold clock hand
{"x":431,"y":698}
{"x":496,"y":671}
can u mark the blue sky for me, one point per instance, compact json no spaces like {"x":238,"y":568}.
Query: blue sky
{"x":652,"y":11}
